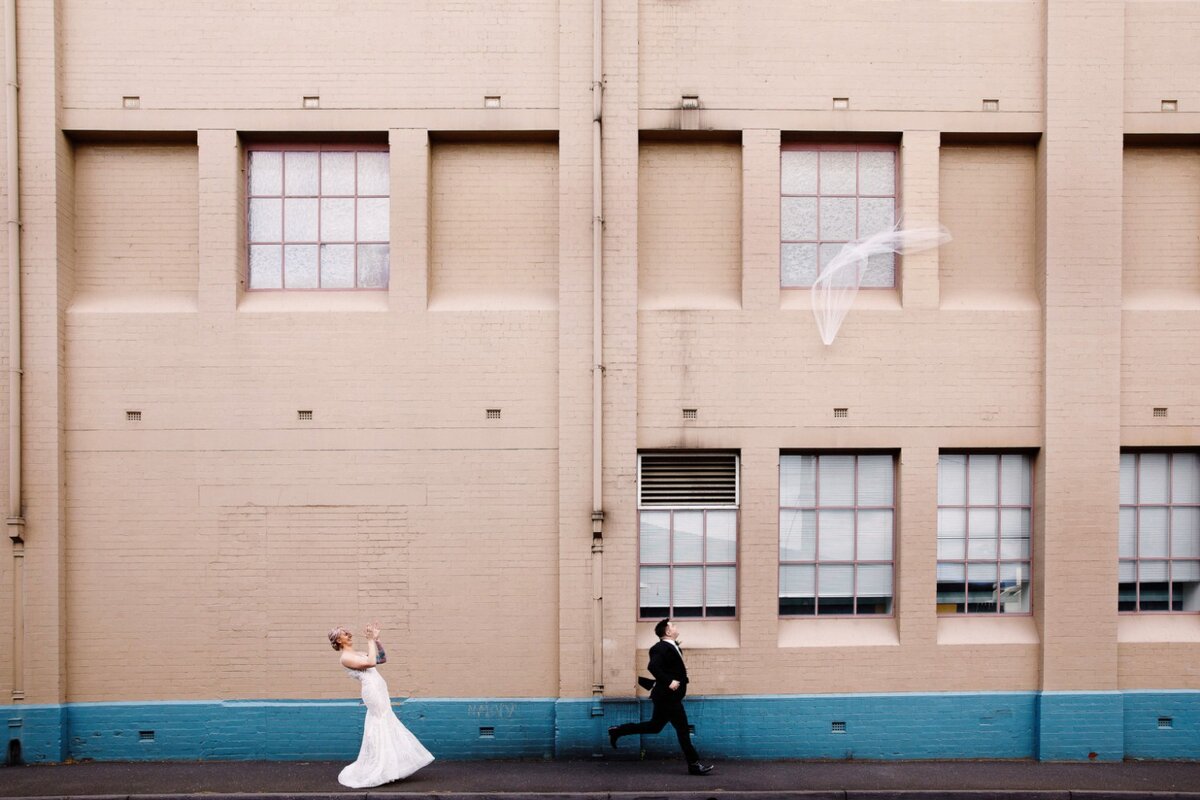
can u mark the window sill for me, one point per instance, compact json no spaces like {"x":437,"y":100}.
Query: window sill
{"x":313,"y":301}
{"x":839,"y":632}
{"x":1158,"y":628}
{"x":887,"y":299}
{"x":695,"y":634}
{"x":987,"y":629}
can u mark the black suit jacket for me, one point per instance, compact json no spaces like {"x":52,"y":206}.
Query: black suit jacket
{"x":666,"y":665}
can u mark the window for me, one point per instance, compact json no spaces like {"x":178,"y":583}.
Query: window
{"x":985,"y":512}
{"x":688,"y":534}
{"x":1160,"y":532}
{"x":318,"y":218}
{"x":829,"y":195}
{"x":836,"y":526}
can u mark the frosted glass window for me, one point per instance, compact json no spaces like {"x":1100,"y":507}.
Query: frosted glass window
{"x":337,"y":219}
{"x":373,"y":219}
{"x":373,"y":177}
{"x":337,"y":266}
{"x":300,"y":266}
{"x":831,"y":195}
{"x":799,"y":264}
{"x":266,"y":220}
{"x":696,"y":549}
{"x":798,"y":219}
{"x":266,"y":173}
{"x":838,"y":219}
{"x":836,"y":519}
{"x":1159,"y":532}
{"x":655,"y":589}
{"x":266,"y":266}
{"x":798,"y":172}
{"x":300,"y":174}
{"x":877,"y":172}
{"x":985,"y":529}
{"x":309,"y":204}
{"x":839,"y":172}
{"x":337,"y":174}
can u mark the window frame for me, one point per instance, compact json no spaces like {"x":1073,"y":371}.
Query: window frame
{"x":671,"y":564}
{"x":999,"y":561}
{"x":319,"y":148}
{"x":827,"y":146}
{"x":816,"y":562}
{"x":1137,"y":453}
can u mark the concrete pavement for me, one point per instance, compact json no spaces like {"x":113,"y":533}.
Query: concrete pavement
{"x":621,"y":780}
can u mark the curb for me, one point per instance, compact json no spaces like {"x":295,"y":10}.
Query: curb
{"x":815,"y":794}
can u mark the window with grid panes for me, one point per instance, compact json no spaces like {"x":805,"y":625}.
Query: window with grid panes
{"x":687,"y":541}
{"x":836,"y":528}
{"x":1159,"y":532}
{"x":830,"y":195}
{"x":318,"y":218}
{"x":985,"y":518}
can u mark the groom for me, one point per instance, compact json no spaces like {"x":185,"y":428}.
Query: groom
{"x":670,"y":685}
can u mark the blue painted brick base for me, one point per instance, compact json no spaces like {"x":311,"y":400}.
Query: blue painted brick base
{"x":1044,"y":725}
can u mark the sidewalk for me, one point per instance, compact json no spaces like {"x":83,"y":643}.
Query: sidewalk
{"x":623,"y":780}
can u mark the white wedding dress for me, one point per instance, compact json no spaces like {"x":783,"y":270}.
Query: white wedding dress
{"x":389,"y":751}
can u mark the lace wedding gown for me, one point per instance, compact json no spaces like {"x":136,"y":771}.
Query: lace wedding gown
{"x":389,"y":751}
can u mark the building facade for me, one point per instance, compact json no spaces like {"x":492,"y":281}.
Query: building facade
{"x":493,"y":322}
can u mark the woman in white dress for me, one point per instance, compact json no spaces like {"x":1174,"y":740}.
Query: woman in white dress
{"x":389,"y":751}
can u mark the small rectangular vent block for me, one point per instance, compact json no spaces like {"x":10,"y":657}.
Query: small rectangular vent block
{"x":1166,"y":723}
{"x":304,"y":416}
{"x":840,"y":413}
{"x":837,"y":727}
{"x":1160,"y":411}
{"x":145,"y":736}
{"x":493,"y":413}
{"x":689,"y":413}
{"x":487,"y":732}
{"x":688,"y":479}
{"x":133,"y":416}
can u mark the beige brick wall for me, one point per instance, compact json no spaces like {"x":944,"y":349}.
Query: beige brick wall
{"x":1053,"y":322}
{"x":988,"y":200}
{"x":689,"y":224}
{"x":136,"y":219}
{"x":494,"y":225}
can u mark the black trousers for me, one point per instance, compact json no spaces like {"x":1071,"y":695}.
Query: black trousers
{"x":668,"y":709}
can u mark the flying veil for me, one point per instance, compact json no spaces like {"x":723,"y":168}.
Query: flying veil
{"x":834,"y":289}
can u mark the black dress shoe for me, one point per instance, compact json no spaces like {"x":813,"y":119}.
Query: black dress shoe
{"x":613,"y":736}
{"x":699,"y":769}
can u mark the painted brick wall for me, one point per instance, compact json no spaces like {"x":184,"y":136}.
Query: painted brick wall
{"x":689,"y":225}
{"x":1160,"y":248}
{"x":494,"y":218}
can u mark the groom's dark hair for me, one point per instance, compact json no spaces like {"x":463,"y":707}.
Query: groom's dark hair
{"x":660,"y":630}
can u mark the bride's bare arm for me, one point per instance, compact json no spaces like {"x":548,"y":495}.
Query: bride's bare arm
{"x":353,"y":660}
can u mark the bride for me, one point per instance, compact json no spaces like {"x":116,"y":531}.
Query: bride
{"x":389,"y":751}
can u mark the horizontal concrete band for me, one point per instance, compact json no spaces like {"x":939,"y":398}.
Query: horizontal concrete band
{"x":1054,"y":726}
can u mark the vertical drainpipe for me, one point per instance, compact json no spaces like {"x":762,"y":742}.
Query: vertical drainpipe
{"x":15,"y":521}
{"x":597,"y":361}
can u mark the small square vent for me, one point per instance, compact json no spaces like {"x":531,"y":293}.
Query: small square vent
{"x":1160,"y":411}
{"x":841,"y":413}
{"x":305,"y":415}
{"x":493,"y":413}
{"x":1166,"y":723}
{"x":133,"y":416}
{"x":145,"y":736}
{"x":689,"y":413}
{"x":837,"y":727}
{"x":487,"y":732}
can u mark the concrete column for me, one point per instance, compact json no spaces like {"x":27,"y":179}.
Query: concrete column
{"x":916,"y":546}
{"x":224,"y":271}
{"x":919,"y":209}
{"x":409,"y":159}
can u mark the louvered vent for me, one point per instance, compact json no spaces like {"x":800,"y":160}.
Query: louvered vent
{"x":1160,"y":411}
{"x":693,"y":479}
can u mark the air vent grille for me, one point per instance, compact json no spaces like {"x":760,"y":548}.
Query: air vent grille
{"x":841,"y":413}
{"x":1160,"y":411}
{"x":837,"y":727}
{"x":689,"y":413}
{"x":304,"y":416}
{"x":493,"y":413}
{"x":487,"y":732}
{"x":133,"y":416}
{"x":688,"y":479}
{"x":145,"y":736}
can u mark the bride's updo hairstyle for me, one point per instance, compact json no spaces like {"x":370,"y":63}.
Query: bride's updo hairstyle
{"x":334,"y":633}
